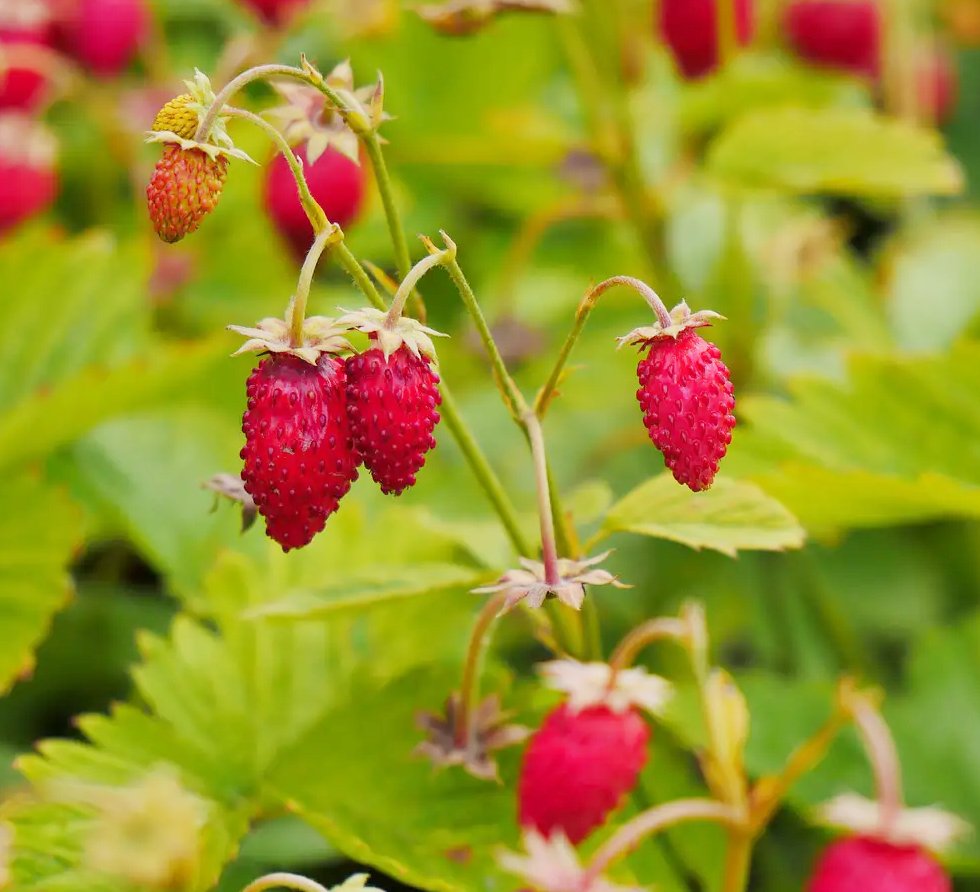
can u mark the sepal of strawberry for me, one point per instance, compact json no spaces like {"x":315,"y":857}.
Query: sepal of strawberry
{"x":390,"y":336}
{"x":529,"y":583}
{"x":320,"y":335}
{"x":307,"y":117}
{"x":681,"y":319}
{"x":597,"y":684}
{"x":929,"y":827}
{"x":178,"y":121}
{"x":489,"y":730}
{"x":360,"y":108}
{"x":551,"y":864}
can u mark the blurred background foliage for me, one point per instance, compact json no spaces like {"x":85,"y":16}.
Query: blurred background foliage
{"x":843,"y":245}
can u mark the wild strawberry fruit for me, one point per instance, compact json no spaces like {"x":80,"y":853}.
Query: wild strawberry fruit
{"x":844,"y":34}
{"x":299,"y":454}
{"x":577,"y":768}
{"x":23,"y":24}
{"x":185,"y":188}
{"x":28,"y":181}
{"x":590,"y":750}
{"x":391,"y":404}
{"x":335,"y":181}
{"x":690,"y":29}
{"x":867,"y":864}
{"x":103,"y":35}
{"x":275,"y":12}
{"x":181,"y":115}
{"x":686,"y":395}
{"x":392,"y":396}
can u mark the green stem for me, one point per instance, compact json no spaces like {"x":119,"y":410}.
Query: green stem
{"x":315,"y":213}
{"x":409,"y":282}
{"x":738,"y":860}
{"x":223,"y":97}
{"x":514,"y":398}
{"x":302,"y":296}
{"x":469,"y":686}
{"x":727,"y":35}
{"x":484,"y":473}
{"x":403,"y":260}
{"x":549,"y":550}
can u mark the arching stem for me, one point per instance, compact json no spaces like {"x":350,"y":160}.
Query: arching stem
{"x":644,"y":290}
{"x":332,"y":235}
{"x":883,"y":756}
{"x":284,"y":881}
{"x":469,"y":687}
{"x":407,"y":286}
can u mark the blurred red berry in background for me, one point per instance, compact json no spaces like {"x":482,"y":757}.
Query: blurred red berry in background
{"x":28,"y":180}
{"x":23,"y":24}
{"x":275,"y":12}
{"x":690,"y":29}
{"x":843,"y":34}
{"x":103,"y":35}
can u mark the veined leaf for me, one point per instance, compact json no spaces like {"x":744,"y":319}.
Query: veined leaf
{"x":38,"y":532}
{"x":841,"y":151}
{"x":728,"y":518}
{"x":899,"y":442}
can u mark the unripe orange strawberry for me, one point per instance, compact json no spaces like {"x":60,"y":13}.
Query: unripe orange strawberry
{"x":184,"y":189}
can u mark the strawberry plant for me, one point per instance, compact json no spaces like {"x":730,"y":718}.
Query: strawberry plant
{"x":337,"y":559}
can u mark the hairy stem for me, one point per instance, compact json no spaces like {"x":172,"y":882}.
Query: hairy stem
{"x":469,"y":687}
{"x":409,"y":282}
{"x":880,"y":747}
{"x":549,"y":550}
{"x":330,"y":235}
{"x":652,"y":821}
{"x":645,"y":291}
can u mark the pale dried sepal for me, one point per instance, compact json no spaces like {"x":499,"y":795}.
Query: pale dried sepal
{"x":320,"y":335}
{"x":489,"y":731}
{"x":355,"y":883}
{"x":930,"y":827}
{"x":552,"y":865}
{"x":681,"y":320}
{"x":588,"y":684}
{"x":232,"y":487}
{"x":410,"y":332}
{"x":529,"y":583}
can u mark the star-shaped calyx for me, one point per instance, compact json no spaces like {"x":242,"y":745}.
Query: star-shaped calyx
{"x":447,"y":743}
{"x":681,"y":319}
{"x":929,"y":827}
{"x":598,"y":684}
{"x":552,"y":865}
{"x":178,"y":121}
{"x":529,"y":582}
{"x":308,"y":117}
{"x":320,"y":335}
{"x":393,"y":334}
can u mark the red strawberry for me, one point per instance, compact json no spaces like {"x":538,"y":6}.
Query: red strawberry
{"x":25,"y":25}
{"x":865,"y":864}
{"x":690,"y":29}
{"x":185,"y":188}
{"x":335,"y":181}
{"x":104,"y":35}
{"x":28,"y":181}
{"x":577,"y":768}
{"x":299,"y":454}
{"x":687,"y":399}
{"x":275,"y":12}
{"x":391,"y":404}
{"x":842,"y":34}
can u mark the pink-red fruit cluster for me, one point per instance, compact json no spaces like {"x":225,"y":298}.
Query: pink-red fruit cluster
{"x":687,"y":399}
{"x":299,"y":454}
{"x":336,"y":182}
{"x":391,"y":404}
{"x":863,"y":864}
{"x":578,"y":767}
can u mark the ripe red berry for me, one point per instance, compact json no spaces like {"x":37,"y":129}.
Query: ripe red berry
{"x":299,"y":455}
{"x":687,"y":399}
{"x":28,"y":181}
{"x":185,"y":188}
{"x":843,"y":34}
{"x":391,"y":404}
{"x":103,"y":35}
{"x":335,"y":181}
{"x":864,"y":864}
{"x":577,"y":768}
{"x":690,"y":29}
{"x":275,"y":12}
{"x":26,"y":25}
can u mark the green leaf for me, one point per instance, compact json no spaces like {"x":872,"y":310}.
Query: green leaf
{"x":899,"y":441}
{"x":728,"y":518}
{"x":38,"y":533}
{"x":40,"y":423}
{"x":841,"y":151}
